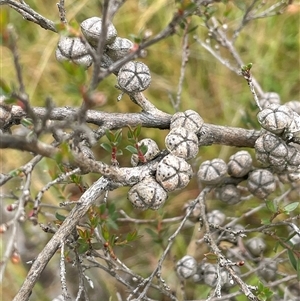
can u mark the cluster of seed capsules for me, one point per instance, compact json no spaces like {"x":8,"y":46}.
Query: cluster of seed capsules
{"x":173,"y":171}
{"x":274,"y":149}
{"x":133,"y":77}
{"x":254,"y":248}
{"x":207,"y":273}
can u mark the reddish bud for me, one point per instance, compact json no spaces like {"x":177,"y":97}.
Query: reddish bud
{"x":11,"y":207}
{"x":15,"y":257}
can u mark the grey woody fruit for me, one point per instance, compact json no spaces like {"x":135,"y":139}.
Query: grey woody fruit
{"x":147,"y":194}
{"x":261,"y":183}
{"x":72,"y":49}
{"x":216,"y":217}
{"x":229,"y":194}
{"x":275,"y":118}
{"x":267,"y":269}
{"x":186,"y":267}
{"x":239,"y":164}
{"x":182,"y":143}
{"x":293,"y":131}
{"x":173,"y":173}
{"x":289,"y":176}
{"x":271,"y":149}
{"x":256,"y":246}
{"x":189,"y":119}
{"x":198,"y":277}
{"x":92,"y":28}
{"x":152,"y":151}
{"x":268,"y":99}
{"x":211,"y":276}
{"x":212,"y":172}
{"x":119,"y":48}
{"x":294,"y":105}
{"x":293,"y":159}
{"x":134,"y":77}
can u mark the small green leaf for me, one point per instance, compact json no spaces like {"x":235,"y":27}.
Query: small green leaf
{"x":249,"y":66}
{"x":106,"y":146}
{"x":133,"y":236}
{"x":265,"y":221}
{"x":272,"y":206}
{"x":290,"y":207}
{"x":15,"y":173}
{"x":118,"y":136}
{"x":60,"y":217}
{"x":292,"y":259}
{"x":193,"y":29}
{"x":131,"y":149}
{"x":105,"y":232}
{"x":137,"y":131}
{"x":144,"y":149}
{"x":211,"y":256}
{"x":27,"y":122}
{"x":119,"y":152}
{"x":109,"y":135}
{"x":263,"y":293}
{"x":83,"y":246}
{"x":80,"y":232}
{"x":130,"y":132}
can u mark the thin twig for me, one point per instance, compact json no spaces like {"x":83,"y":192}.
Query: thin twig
{"x":184,"y":61}
{"x":62,"y":11}
{"x":63,"y":281}
{"x":86,"y":200}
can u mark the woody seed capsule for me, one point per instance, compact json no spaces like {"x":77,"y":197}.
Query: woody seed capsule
{"x":91,"y":29}
{"x":182,"y":143}
{"x":152,"y":151}
{"x":212,"y":172}
{"x":119,"y":48}
{"x":261,"y":183}
{"x":147,"y":194}
{"x":275,"y":119}
{"x":134,"y":77}
{"x":294,"y":105}
{"x":269,"y":98}
{"x":189,"y":119}
{"x":186,"y":267}
{"x":239,"y":164}
{"x":72,"y":49}
{"x":271,"y":149}
{"x":256,"y":246}
{"x":229,"y":194}
{"x":173,"y":173}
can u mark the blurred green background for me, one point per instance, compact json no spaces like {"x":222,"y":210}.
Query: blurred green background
{"x":216,"y":93}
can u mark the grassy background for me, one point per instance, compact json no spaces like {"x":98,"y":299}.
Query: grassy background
{"x":219,"y":95}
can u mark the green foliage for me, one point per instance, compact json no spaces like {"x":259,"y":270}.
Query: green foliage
{"x":263,"y":293}
{"x":115,"y":139}
{"x":278,"y":208}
